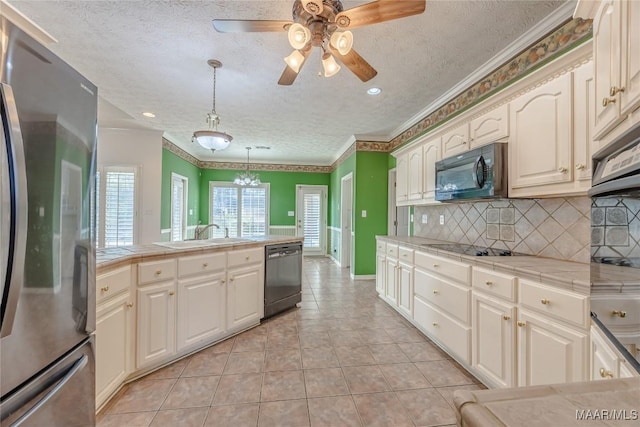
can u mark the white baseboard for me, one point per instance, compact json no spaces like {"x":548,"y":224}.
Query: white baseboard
{"x":363,"y":277}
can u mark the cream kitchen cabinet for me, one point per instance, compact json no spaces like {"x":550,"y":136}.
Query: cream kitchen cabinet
{"x":391,"y":275}
{"x":606,"y":360}
{"x":405,"y":281}
{"x":540,"y":145}
{"x":402,"y":180}
{"x":115,"y":320}
{"x":455,"y":141}
{"x":431,"y":153}
{"x":616,"y":42}
{"x":381,"y":260}
{"x":584,"y":118}
{"x":245,"y":288}
{"x":414,"y":165}
{"x":156,"y":338}
{"x":490,"y":127}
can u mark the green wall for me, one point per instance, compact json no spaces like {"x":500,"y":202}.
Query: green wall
{"x":174,"y":164}
{"x":282,"y":191}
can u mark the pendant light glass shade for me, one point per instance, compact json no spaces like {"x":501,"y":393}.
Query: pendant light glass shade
{"x":247,"y":178}
{"x":295,"y":60}
{"x":212,"y":138}
{"x":330,"y":65}
{"x":342,"y":41}
{"x":299,"y":36}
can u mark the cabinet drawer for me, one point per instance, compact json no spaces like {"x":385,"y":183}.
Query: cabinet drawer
{"x":245,"y":256}
{"x":617,"y":310}
{"x":392,"y":250}
{"x":456,"y":337}
{"x":202,"y":264}
{"x":565,"y":305}
{"x":381,"y":247}
{"x":491,"y":282}
{"x":112,"y":283}
{"x":405,"y":255}
{"x":156,"y":271}
{"x":445,"y":267}
{"x":446,"y":296}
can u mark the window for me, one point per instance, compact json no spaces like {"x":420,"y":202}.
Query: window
{"x":243,"y":210}
{"x":115,"y":206}
{"x":179,"y":185}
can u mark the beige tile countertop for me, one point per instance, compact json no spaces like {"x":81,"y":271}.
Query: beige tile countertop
{"x":596,"y":403}
{"x":109,"y":258}
{"x":579,"y":277}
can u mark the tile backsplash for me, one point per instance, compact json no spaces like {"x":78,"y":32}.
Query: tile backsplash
{"x":615,"y":227}
{"x":555,"y":228}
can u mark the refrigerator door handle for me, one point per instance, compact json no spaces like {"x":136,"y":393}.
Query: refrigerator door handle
{"x":17,"y":238}
{"x":75,"y":368}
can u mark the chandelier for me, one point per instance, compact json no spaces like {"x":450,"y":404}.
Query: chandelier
{"x":212,"y":138}
{"x":246,"y":177}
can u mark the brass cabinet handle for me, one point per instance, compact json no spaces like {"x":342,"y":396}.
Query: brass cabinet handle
{"x":223,"y":281}
{"x":404,"y":255}
{"x":607,"y":101}
{"x":129,"y":304}
{"x":545,"y":301}
{"x":521,"y":323}
{"x":435,"y":323}
{"x":158,"y":272}
{"x":562,"y":169}
{"x":464,"y":142}
{"x":171,"y":293}
{"x":436,"y":265}
{"x":580,"y":167}
{"x":231,"y":279}
{"x":104,"y":289}
{"x":246,"y":258}
{"x":605,"y":374}
{"x":614,"y":90}
{"x":620,"y":313}
{"x":435,"y":291}
{"x":506,"y":317}
{"x":205,"y":265}
{"x":488,"y":283}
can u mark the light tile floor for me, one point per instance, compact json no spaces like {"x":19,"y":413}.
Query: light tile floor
{"x":343,"y":359}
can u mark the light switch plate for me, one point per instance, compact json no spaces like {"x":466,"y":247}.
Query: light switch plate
{"x":441,"y":219}
{"x":364,"y":214}
{"x":190,"y":211}
{"x":411,"y":218}
{"x":291,"y":213}
{"x":424,"y":218}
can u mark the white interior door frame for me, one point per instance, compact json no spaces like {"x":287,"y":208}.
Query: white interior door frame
{"x":346,"y":221}
{"x":392,"y":213}
{"x":312,"y":246}
{"x":185,"y":195}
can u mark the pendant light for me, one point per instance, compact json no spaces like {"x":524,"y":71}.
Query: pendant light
{"x":246,"y":178}
{"x":212,"y":138}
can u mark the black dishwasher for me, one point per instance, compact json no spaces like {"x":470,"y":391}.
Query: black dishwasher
{"x":282,"y":277}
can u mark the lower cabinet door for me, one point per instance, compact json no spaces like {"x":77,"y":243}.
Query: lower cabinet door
{"x":493,"y":332}
{"x":156,"y":323}
{"x":201,"y":309}
{"x":113,"y":349}
{"x":245,"y":296}
{"x":381,"y":263}
{"x":405,"y":288}
{"x":391,"y":274}
{"x":548,"y":352}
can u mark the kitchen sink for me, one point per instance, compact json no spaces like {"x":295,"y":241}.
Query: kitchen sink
{"x":189,"y":244}
{"x":223,"y":240}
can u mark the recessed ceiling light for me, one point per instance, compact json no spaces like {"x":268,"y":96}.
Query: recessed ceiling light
{"x":148,"y":114}
{"x":374,"y":91}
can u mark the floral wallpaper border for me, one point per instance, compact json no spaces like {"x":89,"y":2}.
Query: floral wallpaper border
{"x":570,"y":34}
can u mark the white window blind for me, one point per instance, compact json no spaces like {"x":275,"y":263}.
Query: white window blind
{"x":243,"y":210}
{"x":312,"y":220}
{"x":178,"y":205}
{"x":115,"y":206}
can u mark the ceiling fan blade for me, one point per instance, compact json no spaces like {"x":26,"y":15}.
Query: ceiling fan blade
{"x":379,"y":11}
{"x":288,"y":75}
{"x":356,"y":64}
{"x":248,"y":26}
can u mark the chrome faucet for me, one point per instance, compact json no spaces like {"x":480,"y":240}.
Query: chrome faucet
{"x":199,"y":231}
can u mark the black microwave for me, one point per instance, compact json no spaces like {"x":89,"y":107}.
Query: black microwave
{"x":476,"y":174}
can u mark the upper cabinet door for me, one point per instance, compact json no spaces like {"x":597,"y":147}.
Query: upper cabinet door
{"x":455,"y":141}
{"x":490,"y":127}
{"x":540,"y":145}
{"x":584,"y":112}
{"x":630,"y":97}
{"x":415,"y":173}
{"x":606,"y":53}
{"x":402,"y":178}
{"x":430,"y":155}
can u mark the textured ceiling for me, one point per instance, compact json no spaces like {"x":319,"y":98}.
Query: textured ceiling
{"x":152,"y":56}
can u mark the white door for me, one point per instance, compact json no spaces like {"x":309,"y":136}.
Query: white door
{"x":178,"y":207}
{"x":346,"y":219}
{"x":311,"y":214}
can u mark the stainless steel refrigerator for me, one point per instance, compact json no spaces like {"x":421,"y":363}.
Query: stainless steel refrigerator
{"x":47,"y":254}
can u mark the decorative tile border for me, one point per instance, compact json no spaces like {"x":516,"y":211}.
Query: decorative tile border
{"x":570,"y":34}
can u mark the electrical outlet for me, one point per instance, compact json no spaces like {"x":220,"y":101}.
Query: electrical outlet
{"x":291,"y":213}
{"x":364,"y":214}
{"x":441,"y":219}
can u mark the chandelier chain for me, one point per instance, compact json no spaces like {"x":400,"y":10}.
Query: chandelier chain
{"x":214,"y":90}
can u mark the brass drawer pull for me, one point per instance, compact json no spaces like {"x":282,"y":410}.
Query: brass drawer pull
{"x":506,"y":317}
{"x":620,"y":313}
{"x":545,"y":301}
{"x":436,"y":265}
{"x":607,"y":101}
{"x":521,"y":323}
{"x":580,"y":166}
{"x":435,"y":323}
{"x":171,"y":293}
{"x":246,"y":258}
{"x":614,"y":90}
{"x":488,"y":283}
{"x":129,"y":304}
{"x":435,"y":291}
{"x":205,"y":265}
{"x":562,"y":169}
{"x":104,"y":289}
{"x":158,"y":272}
{"x":605,"y":374}
{"x":231,"y":279}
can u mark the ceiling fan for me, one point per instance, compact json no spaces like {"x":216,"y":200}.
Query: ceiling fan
{"x":325,"y":24}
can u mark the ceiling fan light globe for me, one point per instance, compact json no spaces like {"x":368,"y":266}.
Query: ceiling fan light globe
{"x":212,"y":140}
{"x":342,"y":41}
{"x":299,"y":36}
{"x":295,"y":60}
{"x":330,"y":65}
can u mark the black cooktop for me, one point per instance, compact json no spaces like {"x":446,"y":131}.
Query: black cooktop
{"x":620,"y":261}
{"x":472,"y":250}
